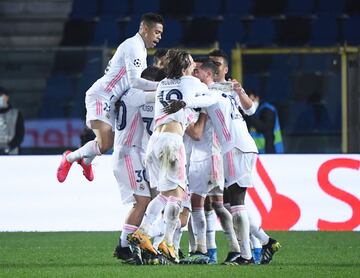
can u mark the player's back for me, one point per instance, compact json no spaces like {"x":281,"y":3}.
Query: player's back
{"x":220,"y":116}
{"x":129,"y":128}
{"x":184,"y":88}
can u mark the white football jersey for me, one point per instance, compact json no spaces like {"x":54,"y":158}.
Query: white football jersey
{"x":147,"y":116}
{"x":229,"y":125}
{"x":129,"y":123}
{"x":203,"y":148}
{"x":129,"y":59}
{"x":185,"y":88}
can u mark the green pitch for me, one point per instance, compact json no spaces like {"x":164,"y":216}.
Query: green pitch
{"x":81,"y":254}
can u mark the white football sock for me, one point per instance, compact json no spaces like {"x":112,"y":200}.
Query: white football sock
{"x":177,"y":235}
{"x":257,"y":231}
{"x":255,"y":242}
{"x":157,"y":231}
{"x":242,"y":229}
{"x":211,"y":220}
{"x":152,"y":212}
{"x":90,"y":149}
{"x":227,"y":226}
{"x":171,"y":216}
{"x":126,"y":230}
{"x":192,"y":240}
{"x":199,"y":229}
{"x":89,"y":160}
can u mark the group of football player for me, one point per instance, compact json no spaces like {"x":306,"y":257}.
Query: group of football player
{"x":182,"y":153}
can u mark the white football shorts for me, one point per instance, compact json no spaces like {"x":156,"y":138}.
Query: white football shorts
{"x":239,"y":168}
{"x":130,"y":175}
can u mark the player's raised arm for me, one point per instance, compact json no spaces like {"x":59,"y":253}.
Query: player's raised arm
{"x":246,"y":103}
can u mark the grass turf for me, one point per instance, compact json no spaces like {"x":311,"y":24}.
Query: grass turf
{"x":89,"y":254}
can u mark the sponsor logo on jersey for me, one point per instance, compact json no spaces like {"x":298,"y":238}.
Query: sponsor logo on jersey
{"x":137,"y":63}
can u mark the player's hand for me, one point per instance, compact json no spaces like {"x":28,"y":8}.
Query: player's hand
{"x":173,"y":106}
{"x":237,"y":86}
{"x":117,"y":106}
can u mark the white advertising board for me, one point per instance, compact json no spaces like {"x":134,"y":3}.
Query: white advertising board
{"x":292,"y":192}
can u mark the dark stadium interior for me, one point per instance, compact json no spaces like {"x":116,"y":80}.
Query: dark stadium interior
{"x":55,"y":50}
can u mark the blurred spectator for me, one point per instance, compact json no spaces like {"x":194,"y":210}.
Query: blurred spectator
{"x":264,"y":126}
{"x":11,"y":126}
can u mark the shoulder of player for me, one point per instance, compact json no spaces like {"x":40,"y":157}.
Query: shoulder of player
{"x":130,"y":43}
{"x":193,"y":81}
{"x":190,"y":78}
{"x":168,"y":82}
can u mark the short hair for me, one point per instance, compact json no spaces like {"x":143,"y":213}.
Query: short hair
{"x":159,"y":53}
{"x":176,"y":61}
{"x":152,"y":18}
{"x":209,"y":65}
{"x":220,"y":53}
{"x":153,"y":73}
{"x":201,"y":59}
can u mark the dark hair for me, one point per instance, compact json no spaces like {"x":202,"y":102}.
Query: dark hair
{"x":209,"y":65}
{"x":153,"y":73}
{"x":201,"y":59}
{"x":152,"y":18}
{"x":176,"y":61}
{"x":159,"y":53}
{"x":220,"y":53}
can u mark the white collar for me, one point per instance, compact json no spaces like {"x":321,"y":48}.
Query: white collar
{"x":139,"y":37}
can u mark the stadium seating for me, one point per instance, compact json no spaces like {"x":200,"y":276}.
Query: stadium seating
{"x":173,"y":31}
{"x":351,"y":30}
{"x":200,"y":31}
{"x":324,"y":31}
{"x":269,"y":8}
{"x":78,"y":32}
{"x":300,"y":8}
{"x":176,"y":8}
{"x":141,"y":6}
{"x":231,"y":31}
{"x":58,"y":97}
{"x":188,"y":23}
{"x":331,"y":7}
{"x":352,"y":7}
{"x":208,"y":8}
{"x":106,"y":32}
{"x":242,"y":8}
{"x":114,"y":8}
{"x":85,"y":9}
{"x":261,"y":32}
{"x":293,"y":31}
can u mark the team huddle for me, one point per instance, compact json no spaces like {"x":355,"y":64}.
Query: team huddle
{"x":182,"y":153}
